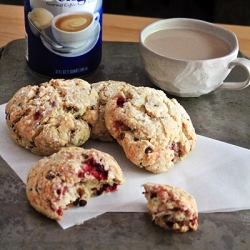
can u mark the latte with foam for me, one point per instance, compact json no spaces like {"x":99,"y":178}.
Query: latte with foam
{"x":74,"y":22}
{"x":187,"y":44}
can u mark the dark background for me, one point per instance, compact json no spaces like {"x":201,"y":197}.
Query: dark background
{"x":219,"y":11}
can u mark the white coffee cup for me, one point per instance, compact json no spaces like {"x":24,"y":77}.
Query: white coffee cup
{"x":72,"y":33}
{"x":188,"y":77}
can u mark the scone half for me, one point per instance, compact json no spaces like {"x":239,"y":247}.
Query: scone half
{"x":171,"y":207}
{"x":69,"y":178}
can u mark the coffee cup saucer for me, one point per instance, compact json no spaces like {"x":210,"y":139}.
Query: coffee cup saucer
{"x":75,"y":51}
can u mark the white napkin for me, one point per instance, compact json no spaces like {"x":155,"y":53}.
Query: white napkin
{"x":217,"y":174}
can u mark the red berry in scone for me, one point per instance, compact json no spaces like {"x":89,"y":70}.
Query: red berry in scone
{"x":69,"y":178}
{"x":171,"y":208}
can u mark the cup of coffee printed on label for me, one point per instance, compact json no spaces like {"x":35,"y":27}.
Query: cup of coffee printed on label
{"x":188,"y":57}
{"x":75,"y":29}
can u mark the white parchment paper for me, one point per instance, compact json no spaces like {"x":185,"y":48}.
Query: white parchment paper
{"x":217,"y":174}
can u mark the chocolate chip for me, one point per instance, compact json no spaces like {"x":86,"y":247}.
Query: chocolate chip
{"x":50,"y":175}
{"x":169,"y":224}
{"x":149,"y":150}
{"x":53,"y":104}
{"x":99,"y":192}
{"x":76,"y":202}
{"x":122,"y":135}
{"x":72,"y":132}
{"x":153,"y":195}
{"x":179,"y":153}
{"x":176,"y":209}
{"x":82,"y":203}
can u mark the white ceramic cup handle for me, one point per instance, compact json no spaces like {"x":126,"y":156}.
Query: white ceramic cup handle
{"x":244,"y":63}
{"x":97,"y":16}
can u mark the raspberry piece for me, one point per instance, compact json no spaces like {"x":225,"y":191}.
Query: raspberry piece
{"x":118,"y":125}
{"x":37,"y":115}
{"x":53,"y":104}
{"x":108,"y":188}
{"x":91,"y":167}
{"x":194,"y":221}
{"x":176,"y":147}
{"x":120,"y":101}
{"x":60,"y":212}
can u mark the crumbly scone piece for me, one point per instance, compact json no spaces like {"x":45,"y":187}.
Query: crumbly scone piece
{"x":105,"y":90}
{"x":154,"y":131}
{"x":55,"y":114}
{"x":69,"y":178}
{"x":171,"y":207}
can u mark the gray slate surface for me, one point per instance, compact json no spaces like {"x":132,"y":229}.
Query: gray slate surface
{"x":223,"y":115}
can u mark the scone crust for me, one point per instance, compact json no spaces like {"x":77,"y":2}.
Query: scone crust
{"x":154,"y":131}
{"x":105,"y":90}
{"x":171,"y":207}
{"x":55,"y":114}
{"x":70,"y":176}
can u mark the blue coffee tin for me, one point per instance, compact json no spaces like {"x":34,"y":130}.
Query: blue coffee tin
{"x":63,"y":37}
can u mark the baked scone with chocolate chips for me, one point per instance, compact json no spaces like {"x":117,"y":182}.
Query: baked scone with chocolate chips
{"x":154,"y":131}
{"x":171,"y":207}
{"x":69,"y":178}
{"x":55,"y":114}
{"x":105,"y":90}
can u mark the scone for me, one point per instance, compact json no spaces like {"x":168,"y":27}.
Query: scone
{"x":171,"y":208}
{"x":154,"y":131}
{"x":55,"y":114}
{"x":105,"y":90}
{"x":69,"y":178}
{"x":41,"y":18}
